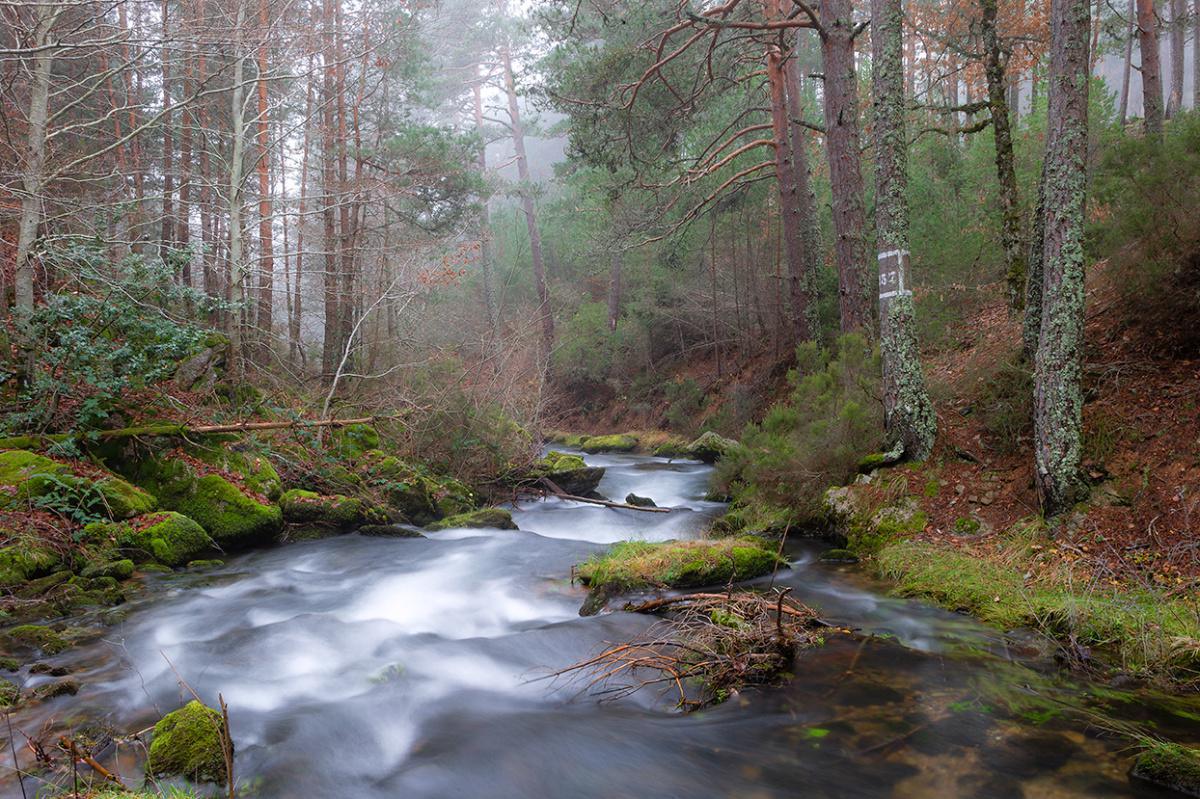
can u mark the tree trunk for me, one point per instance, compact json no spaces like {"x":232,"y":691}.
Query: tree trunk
{"x":614,"y":288}
{"x":810,"y":229}
{"x":135,"y":147}
{"x":345,"y":218}
{"x":909,"y":418}
{"x":266,"y":244}
{"x":789,"y":199}
{"x":1196,"y":55}
{"x":33,"y":170}
{"x":166,"y":238}
{"x":331,"y":350}
{"x":1058,"y":395}
{"x":207,"y":233}
{"x":186,"y":123}
{"x":526,"y":191}
{"x":845,"y":169}
{"x":1178,"y":37}
{"x":1152,"y":95}
{"x":295,"y":316}
{"x":485,"y":232}
{"x":235,"y":287}
{"x":1010,"y":205}
{"x":1123,"y":110}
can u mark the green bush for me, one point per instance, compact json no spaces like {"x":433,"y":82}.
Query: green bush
{"x":815,"y":437}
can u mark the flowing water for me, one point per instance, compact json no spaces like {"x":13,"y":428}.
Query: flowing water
{"x":374,"y":667}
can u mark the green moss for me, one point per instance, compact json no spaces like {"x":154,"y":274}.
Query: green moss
{"x":309,"y":507}
{"x":1170,"y":765}
{"x":622,"y":442}
{"x":711,"y":447}
{"x":353,"y":440}
{"x":123,"y":499}
{"x":10,"y":694}
{"x":211,"y":563}
{"x":573,"y":440}
{"x":116,"y":569}
{"x":676,"y":564}
{"x":497,"y":518}
{"x":866,"y":536}
{"x":555,"y":461}
{"x":672,"y":448}
{"x":755,"y":519}
{"x":25,"y":476}
{"x":167,"y":537}
{"x":51,"y":690}
{"x":966,"y":525}
{"x":187,"y":743}
{"x":26,"y":558}
{"x":639,"y":502}
{"x":9,"y":664}
{"x":839,"y":556}
{"x":36,"y":636}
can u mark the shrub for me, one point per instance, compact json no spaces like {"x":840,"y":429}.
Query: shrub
{"x":815,"y":437}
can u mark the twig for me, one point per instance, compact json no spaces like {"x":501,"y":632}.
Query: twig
{"x":77,"y":754}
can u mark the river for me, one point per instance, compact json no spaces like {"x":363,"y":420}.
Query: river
{"x":379,"y":667}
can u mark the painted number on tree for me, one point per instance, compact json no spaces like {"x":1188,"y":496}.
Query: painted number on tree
{"x":893,"y":265}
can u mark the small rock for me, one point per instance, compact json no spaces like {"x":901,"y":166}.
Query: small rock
{"x":639,"y":502}
{"x":53,"y":689}
{"x":389,"y":531}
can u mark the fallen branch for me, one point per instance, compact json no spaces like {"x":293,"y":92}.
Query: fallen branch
{"x":69,"y":746}
{"x":558,"y":492}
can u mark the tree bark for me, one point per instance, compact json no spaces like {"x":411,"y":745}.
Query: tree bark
{"x":1123,"y":109}
{"x":909,"y":418}
{"x":485,"y":232}
{"x":810,"y":226}
{"x":1152,"y":94}
{"x":1058,"y":395}
{"x":266,"y":244}
{"x":167,"y":236}
{"x":295,"y":316}
{"x":842,"y":142}
{"x":1179,"y":19}
{"x":234,"y":288}
{"x":614,"y":288}
{"x":331,"y":349}
{"x":1010,"y":204}
{"x":1196,"y":55}
{"x":526,"y":190}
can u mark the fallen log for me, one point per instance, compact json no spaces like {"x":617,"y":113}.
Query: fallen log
{"x":558,"y":492}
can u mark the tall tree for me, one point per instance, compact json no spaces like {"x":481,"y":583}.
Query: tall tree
{"x":1152,"y":93}
{"x":1127,"y":66}
{"x":1058,"y":392}
{"x":842,"y":142}
{"x":266,"y":245}
{"x":908,"y":414}
{"x":1179,"y":20}
{"x":806,"y":201}
{"x":485,"y":233}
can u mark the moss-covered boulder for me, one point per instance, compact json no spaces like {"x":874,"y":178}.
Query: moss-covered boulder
{"x":340,"y":511}
{"x":492,"y":518}
{"x":421,"y":497}
{"x":1170,"y":766}
{"x":619,"y":442}
{"x":188,"y":743}
{"x":389,"y":531}
{"x":630,"y":565}
{"x":234,"y":518}
{"x":10,"y":694}
{"x":27,"y":477}
{"x":39,"y":637}
{"x":672,"y":448}
{"x":639,"y":501}
{"x":116,"y":569}
{"x":566,"y":439}
{"x":354,"y":440}
{"x":169,"y":538}
{"x":711,"y":447}
{"x":568,"y":472}
{"x":25,"y":558}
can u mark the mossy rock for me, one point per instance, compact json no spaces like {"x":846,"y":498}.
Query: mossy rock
{"x":839,"y":556}
{"x":711,"y":447}
{"x":419,"y":496}
{"x":211,"y":563}
{"x":555,"y":461}
{"x":26,"y":558}
{"x":566,"y":439}
{"x":639,"y":502}
{"x":886,"y":526}
{"x":51,"y":690}
{"x":26,"y":476}
{"x":252,"y":469}
{"x":9,"y":664}
{"x":491,"y":518}
{"x":672,"y":448}
{"x":116,"y":569}
{"x":389,"y":531}
{"x":233,"y":518}
{"x":620,"y":442}
{"x":36,"y":636}
{"x":308,"y":507}
{"x":10,"y":694}
{"x":354,"y":440}
{"x":167,"y":537}
{"x":188,"y":743}
{"x":1171,"y":766}
{"x":677,"y":564}
{"x":568,"y":472}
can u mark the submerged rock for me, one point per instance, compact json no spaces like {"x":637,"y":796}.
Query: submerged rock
{"x":1171,"y":766}
{"x":497,"y":518}
{"x":389,"y":531}
{"x":36,"y":636}
{"x":52,"y":689}
{"x":188,"y":743}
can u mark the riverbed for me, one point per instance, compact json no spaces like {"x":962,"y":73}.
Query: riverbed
{"x":422,"y":667}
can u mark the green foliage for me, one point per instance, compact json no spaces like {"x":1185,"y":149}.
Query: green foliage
{"x":1144,"y":201}
{"x":1005,"y":406}
{"x":685,"y":399}
{"x":114,"y":329}
{"x":814,"y":438}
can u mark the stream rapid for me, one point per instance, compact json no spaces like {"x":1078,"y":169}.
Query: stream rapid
{"x":404,"y":667}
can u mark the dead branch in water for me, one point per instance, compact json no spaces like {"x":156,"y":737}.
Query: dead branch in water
{"x":558,"y":492}
{"x":710,"y":647}
{"x":76,"y":753}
